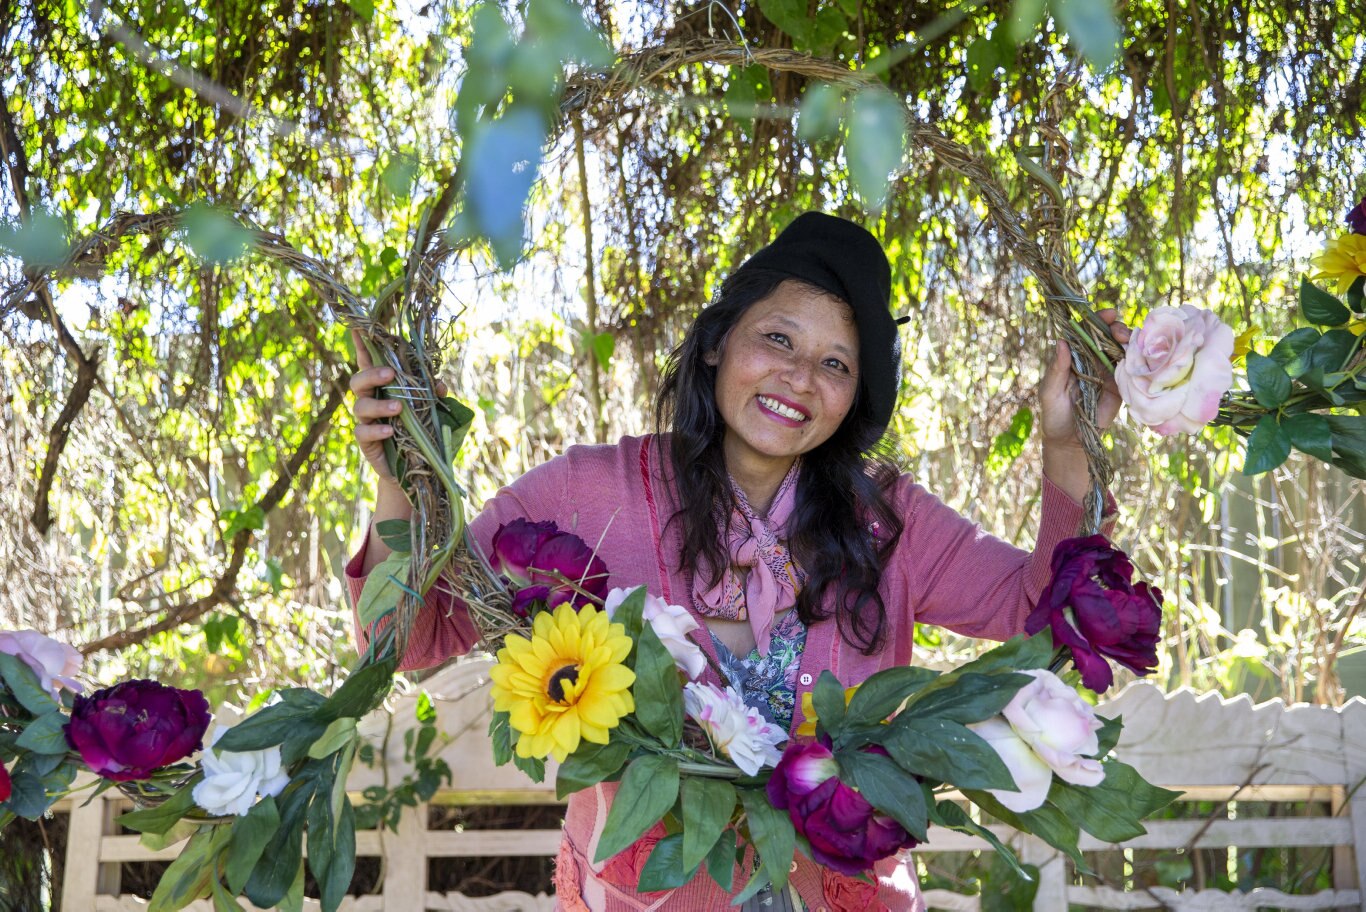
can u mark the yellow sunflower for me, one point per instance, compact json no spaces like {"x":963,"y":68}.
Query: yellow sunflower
{"x":1344,"y":259}
{"x":566,"y":683}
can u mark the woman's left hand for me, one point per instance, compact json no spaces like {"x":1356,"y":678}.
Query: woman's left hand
{"x":1058,"y":394}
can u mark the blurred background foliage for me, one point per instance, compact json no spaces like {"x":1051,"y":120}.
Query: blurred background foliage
{"x":201,"y":491}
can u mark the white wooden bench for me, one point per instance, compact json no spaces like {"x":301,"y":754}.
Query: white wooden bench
{"x":1216,"y":750}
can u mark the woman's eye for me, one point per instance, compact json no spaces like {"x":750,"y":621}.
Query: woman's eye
{"x":780,"y":339}
{"x":837,"y":364}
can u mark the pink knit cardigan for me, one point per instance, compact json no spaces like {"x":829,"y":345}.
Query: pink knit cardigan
{"x":945,"y":571}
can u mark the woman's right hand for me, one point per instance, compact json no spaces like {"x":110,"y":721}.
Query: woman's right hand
{"x":373,"y":414}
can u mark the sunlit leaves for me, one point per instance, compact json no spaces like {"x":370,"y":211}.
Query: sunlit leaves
{"x":214,"y":235}
{"x":40,"y":241}
{"x":822,"y":107}
{"x":1092,"y":26}
{"x":876,"y":143}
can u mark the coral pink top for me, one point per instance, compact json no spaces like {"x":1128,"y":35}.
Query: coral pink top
{"x":945,"y":571}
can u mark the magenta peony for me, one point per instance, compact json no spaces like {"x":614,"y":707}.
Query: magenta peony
{"x":1097,"y":611}
{"x":132,"y":729}
{"x":846,"y":833}
{"x":1176,"y":368}
{"x":543,"y":564}
{"x":5,"y":786}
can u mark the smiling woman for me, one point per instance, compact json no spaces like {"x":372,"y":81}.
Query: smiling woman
{"x":764,"y":507}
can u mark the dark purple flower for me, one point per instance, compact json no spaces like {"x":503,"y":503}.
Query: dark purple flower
{"x":1356,"y":219}
{"x":515,"y":545}
{"x":1097,"y":611}
{"x":132,"y":729}
{"x":846,"y":833}
{"x":543,"y":564}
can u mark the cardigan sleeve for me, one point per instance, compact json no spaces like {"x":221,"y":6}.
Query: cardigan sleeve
{"x":443,"y":627}
{"x":958,"y":576}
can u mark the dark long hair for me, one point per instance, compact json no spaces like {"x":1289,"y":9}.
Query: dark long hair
{"x":841,"y":493}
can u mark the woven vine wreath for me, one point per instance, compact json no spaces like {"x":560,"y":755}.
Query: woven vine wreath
{"x":686,"y":755}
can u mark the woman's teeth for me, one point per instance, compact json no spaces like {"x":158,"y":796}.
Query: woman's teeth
{"x":773,"y":405}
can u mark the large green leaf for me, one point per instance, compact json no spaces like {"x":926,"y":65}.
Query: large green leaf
{"x":664,"y":869}
{"x":647,"y":791}
{"x":587,"y":766}
{"x":1269,"y":381}
{"x":20,"y":681}
{"x":887,"y":787}
{"x":773,"y":835}
{"x":383,"y":587}
{"x":45,"y":735}
{"x":1321,"y":308}
{"x":163,"y":816}
{"x":1267,"y":446}
{"x":1111,"y":811}
{"x":942,"y":749}
{"x":189,"y":875}
{"x":708,"y":805}
{"x":969,"y":697}
{"x":250,"y":835}
{"x":884,"y":692}
{"x":1310,"y":433}
{"x":657,"y":694}
{"x":876,"y":143}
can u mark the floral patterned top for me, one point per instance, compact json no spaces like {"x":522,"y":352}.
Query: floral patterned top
{"x":768,"y":683}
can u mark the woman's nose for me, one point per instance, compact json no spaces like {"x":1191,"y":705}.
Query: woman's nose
{"x":799,"y":374}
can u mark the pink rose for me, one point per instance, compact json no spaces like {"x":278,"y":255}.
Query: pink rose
{"x":1059,"y":725}
{"x":672,"y":624}
{"x":1176,"y":368}
{"x":54,"y":663}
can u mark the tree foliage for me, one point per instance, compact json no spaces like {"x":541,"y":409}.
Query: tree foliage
{"x":187,"y":395}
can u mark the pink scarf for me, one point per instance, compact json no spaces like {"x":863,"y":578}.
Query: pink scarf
{"x":760,"y":580}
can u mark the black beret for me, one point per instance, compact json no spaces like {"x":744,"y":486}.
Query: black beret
{"x":844,"y":259}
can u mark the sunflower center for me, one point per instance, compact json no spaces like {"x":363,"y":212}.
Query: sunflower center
{"x":566,"y":675}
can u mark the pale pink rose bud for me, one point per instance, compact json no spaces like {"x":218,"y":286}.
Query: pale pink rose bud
{"x":1059,"y":725}
{"x":672,"y":624}
{"x":1176,"y":368}
{"x":55,"y":664}
{"x":1032,"y":776}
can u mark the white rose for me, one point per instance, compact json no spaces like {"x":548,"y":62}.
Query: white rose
{"x":1176,"y":369}
{"x":1053,"y":719}
{"x":736,"y":729}
{"x":54,"y":663}
{"x":234,"y":779}
{"x":672,"y":624}
{"x":1032,"y":776}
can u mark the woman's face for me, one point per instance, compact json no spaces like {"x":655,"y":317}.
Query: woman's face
{"x":786,"y":376}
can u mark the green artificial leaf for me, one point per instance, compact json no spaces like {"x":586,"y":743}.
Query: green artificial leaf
{"x":942,"y":749}
{"x":1331,"y":352}
{"x":23,"y":684}
{"x":887,"y":787}
{"x":1112,"y":810}
{"x":822,"y":107}
{"x":332,"y":842}
{"x":183,"y":830}
{"x":293,"y":900}
{"x":966,"y":698}
{"x":28,"y":798}
{"x":456,"y":417}
{"x":189,"y":875}
{"x":363,"y":690}
{"x":647,"y":791}
{"x":297,"y":743}
{"x":828,"y":700}
{"x":264,"y":728}
{"x":589,"y":765}
{"x":222,"y":900}
{"x":161,"y":818}
{"x":951,"y":816}
{"x":1047,"y":822}
{"x":1007,"y":886}
{"x":396,"y":535}
{"x":875,"y":144}
{"x":1287,"y":352}
{"x":658,"y":698}
{"x":282,"y":859}
{"x":532,"y":767}
{"x":1091,"y":25}
{"x":773,"y":835}
{"x":215,"y":236}
{"x":1356,"y":295}
{"x":1321,"y":308}
{"x":760,"y":879}
{"x":664,"y":869}
{"x":1267,"y":446}
{"x":1269,"y":381}
{"x":500,"y":735}
{"x":721,"y":860}
{"x":340,"y":733}
{"x":383,"y":588}
{"x":708,"y":805}
{"x":1310,"y":434}
{"x":40,"y":241}
{"x":45,"y":735}
{"x":1108,"y":735}
{"x":1349,"y":443}
{"x":630,"y":615}
{"x":1018,"y":653}
{"x":884,"y":692}
{"x":250,"y":835}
